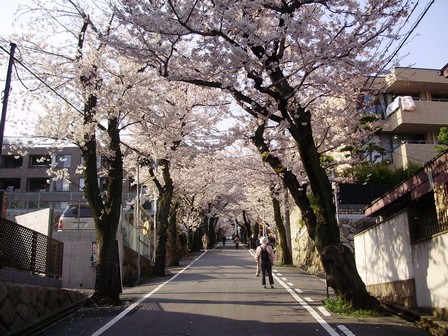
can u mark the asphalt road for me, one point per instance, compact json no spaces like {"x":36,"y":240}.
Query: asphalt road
{"x":217,"y":293}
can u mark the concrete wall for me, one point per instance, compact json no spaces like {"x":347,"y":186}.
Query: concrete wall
{"x":383,"y":253}
{"x":36,"y":220}
{"x":409,"y":274}
{"x":77,"y":271}
{"x":430,"y":259}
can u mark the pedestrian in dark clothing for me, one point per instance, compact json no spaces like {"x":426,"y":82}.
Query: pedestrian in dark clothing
{"x":265,"y":258}
{"x":223,"y":240}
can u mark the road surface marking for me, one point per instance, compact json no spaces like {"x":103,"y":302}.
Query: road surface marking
{"x":308,"y":299}
{"x":298,"y":290}
{"x":135,"y":304}
{"x":345,"y":330}
{"x":310,"y":310}
{"x":290,"y":284}
{"x":324,"y":311}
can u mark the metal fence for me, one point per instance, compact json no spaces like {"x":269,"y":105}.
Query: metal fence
{"x":425,"y":227}
{"x":28,"y":250}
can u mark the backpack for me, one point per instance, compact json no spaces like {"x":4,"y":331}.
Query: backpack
{"x":264,"y":256}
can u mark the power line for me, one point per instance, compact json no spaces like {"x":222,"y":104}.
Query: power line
{"x":422,"y":15}
{"x":43,"y":82}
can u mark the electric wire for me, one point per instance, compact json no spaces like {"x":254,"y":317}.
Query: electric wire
{"x":42,"y":81}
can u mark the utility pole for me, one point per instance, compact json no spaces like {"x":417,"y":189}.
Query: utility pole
{"x":6,"y":94}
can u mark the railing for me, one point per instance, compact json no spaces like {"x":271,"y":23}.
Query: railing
{"x":28,"y":250}
{"x":426,"y":226}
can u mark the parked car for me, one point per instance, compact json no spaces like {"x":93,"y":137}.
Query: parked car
{"x":76,"y":217}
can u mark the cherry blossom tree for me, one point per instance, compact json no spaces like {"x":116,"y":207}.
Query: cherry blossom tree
{"x":173,"y":136}
{"x":291,"y":65}
{"x":89,"y":91}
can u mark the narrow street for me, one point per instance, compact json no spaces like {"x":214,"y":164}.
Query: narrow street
{"x":217,"y":293}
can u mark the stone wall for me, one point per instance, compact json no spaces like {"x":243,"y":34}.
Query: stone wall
{"x":304,"y":253}
{"x":22,"y":306}
{"x":130,"y":266}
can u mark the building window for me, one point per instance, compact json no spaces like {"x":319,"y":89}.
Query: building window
{"x":10,"y":184}
{"x":11,"y":161}
{"x":102,"y":183}
{"x":40,"y":161}
{"x":62,"y":185}
{"x":81,"y":184}
{"x":100,"y":162}
{"x":63,"y":161}
{"x":38,"y":184}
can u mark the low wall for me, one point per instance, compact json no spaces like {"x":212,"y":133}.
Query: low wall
{"x":130,"y":269}
{"x":23,"y":306}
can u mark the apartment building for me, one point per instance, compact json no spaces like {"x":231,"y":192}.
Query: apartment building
{"x":412,"y":104}
{"x":23,"y":167}
{"x":23,"y":175}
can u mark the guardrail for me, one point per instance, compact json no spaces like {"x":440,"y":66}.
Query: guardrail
{"x":27,"y":250}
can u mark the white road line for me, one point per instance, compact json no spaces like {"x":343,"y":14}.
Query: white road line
{"x":324,"y":311}
{"x":132,"y":306}
{"x":345,"y":330}
{"x":308,"y":299}
{"x":279,"y":274}
{"x":290,"y":284}
{"x":298,"y":290}
{"x":310,"y":310}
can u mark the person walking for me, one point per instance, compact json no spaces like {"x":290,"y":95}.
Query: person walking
{"x":205,"y":242}
{"x":264,"y":256}
{"x":237,"y":241}
{"x":223,"y":240}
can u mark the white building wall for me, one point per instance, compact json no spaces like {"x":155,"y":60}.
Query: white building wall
{"x":383,"y":253}
{"x":36,"y":220}
{"x":431,"y":271}
{"x":76,"y":270}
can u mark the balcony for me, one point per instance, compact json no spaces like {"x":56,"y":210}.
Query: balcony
{"x":429,"y":116}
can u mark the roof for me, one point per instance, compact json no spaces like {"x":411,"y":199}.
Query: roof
{"x":434,"y":172}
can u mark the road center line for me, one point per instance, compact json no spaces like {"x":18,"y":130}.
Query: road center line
{"x":132,"y":306}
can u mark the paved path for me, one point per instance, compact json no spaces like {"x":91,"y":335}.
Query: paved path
{"x":217,"y":293}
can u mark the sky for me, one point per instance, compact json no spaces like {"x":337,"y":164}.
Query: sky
{"x":426,"y":48}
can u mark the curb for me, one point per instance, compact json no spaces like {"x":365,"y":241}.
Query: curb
{"x":431,"y":324}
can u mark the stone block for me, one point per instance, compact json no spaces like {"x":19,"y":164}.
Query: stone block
{"x":52,"y":298}
{"x":22,"y":310}
{"x":33,"y":297}
{"x":3,"y":291}
{"x":24,"y":296}
{"x":7,"y":312}
{"x":40,"y":307}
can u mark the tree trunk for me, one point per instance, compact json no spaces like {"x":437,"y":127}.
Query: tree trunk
{"x":173,"y":242}
{"x":338,"y":261}
{"x":163,"y":213}
{"x":106,"y":215}
{"x":286,"y":257}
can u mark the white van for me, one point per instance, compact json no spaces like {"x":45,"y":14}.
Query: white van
{"x":76,"y":217}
